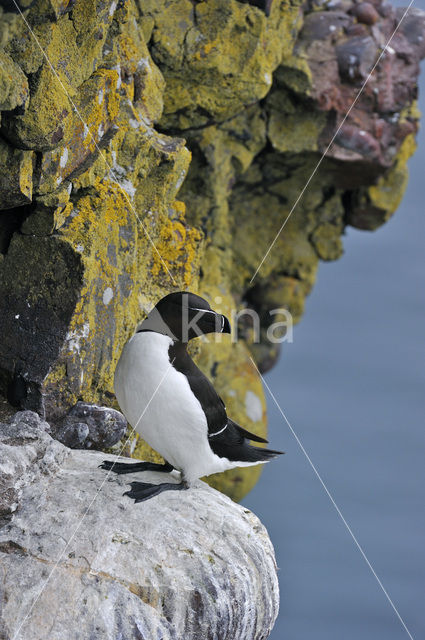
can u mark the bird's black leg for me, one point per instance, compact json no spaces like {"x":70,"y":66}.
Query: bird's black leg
{"x":141,"y":491}
{"x":131,"y":467}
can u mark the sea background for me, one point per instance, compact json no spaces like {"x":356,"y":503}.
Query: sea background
{"x":352,"y":385}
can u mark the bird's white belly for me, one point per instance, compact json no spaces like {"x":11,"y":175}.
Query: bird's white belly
{"x":158,"y":403}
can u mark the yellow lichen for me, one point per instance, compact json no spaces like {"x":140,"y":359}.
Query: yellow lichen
{"x":103,"y":83}
{"x":388,"y":191}
{"x":176,"y":248}
{"x":179,"y":206}
{"x":205,"y":49}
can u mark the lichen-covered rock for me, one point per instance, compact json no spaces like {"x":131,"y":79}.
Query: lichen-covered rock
{"x":16,"y":175}
{"x":219,"y":57}
{"x":90,"y":128}
{"x":13,"y":84}
{"x":80,"y":560}
{"x":163,"y":147}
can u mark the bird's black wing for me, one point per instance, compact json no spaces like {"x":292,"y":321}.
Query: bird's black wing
{"x":211,"y":403}
{"x":225,"y":437}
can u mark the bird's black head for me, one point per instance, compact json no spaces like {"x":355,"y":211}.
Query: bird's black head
{"x":183,"y":316}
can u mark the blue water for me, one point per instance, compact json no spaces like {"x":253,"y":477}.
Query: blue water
{"x":352,"y":386}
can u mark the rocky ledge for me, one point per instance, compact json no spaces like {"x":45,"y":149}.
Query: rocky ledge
{"x":80,"y":560}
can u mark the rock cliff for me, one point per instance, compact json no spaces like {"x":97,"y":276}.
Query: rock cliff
{"x":79,"y":560}
{"x":148,"y":146}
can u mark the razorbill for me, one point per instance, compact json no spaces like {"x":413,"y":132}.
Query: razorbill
{"x":172,"y":404}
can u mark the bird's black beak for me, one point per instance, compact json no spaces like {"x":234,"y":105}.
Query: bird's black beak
{"x":225,"y":325}
{"x":203,"y":321}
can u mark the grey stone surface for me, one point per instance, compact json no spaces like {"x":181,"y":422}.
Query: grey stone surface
{"x":188,"y":565}
{"x":26,"y":452}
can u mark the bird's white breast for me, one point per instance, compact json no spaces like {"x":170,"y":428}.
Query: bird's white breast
{"x":157,"y":401}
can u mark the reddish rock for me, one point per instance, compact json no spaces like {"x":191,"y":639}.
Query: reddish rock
{"x":413,"y":28}
{"x":359,"y":141}
{"x":321,"y":25}
{"x":340,"y":63}
{"x":339,"y":5}
{"x":365,"y":13}
{"x":380,"y":126}
{"x":356,"y":30}
{"x":356,"y":57}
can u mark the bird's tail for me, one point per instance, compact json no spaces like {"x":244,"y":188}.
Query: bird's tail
{"x":258,"y":454}
{"x":233,"y":443}
{"x":248,"y":452}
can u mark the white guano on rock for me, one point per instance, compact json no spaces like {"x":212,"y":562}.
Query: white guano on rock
{"x":185,"y":565}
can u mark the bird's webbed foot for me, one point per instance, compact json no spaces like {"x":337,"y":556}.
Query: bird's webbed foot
{"x":132,"y":467}
{"x":141,"y":491}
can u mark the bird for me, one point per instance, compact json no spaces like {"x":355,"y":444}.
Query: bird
{"x":172,"y":405}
